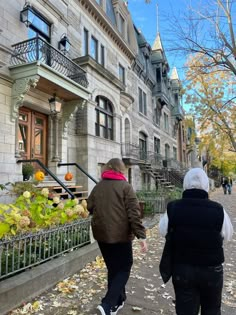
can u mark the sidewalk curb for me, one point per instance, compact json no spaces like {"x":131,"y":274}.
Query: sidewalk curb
{"x":29,"y":284}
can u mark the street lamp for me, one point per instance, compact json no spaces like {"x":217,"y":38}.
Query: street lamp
{"x":64,"y":44}
{"x":55,"y":104}
{"x":27,"y":14}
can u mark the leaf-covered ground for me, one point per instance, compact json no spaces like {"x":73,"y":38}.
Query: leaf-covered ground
{"x":81,"y":293}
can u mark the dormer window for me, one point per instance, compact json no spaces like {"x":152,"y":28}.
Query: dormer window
{"x":121,"y":24}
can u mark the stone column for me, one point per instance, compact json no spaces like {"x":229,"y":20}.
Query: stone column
{"x":55,"y":121}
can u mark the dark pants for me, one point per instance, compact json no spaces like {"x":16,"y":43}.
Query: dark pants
{"x":198,"y":288}
{"x":119,"y":260}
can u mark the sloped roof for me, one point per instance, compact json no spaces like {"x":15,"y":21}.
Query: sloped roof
{"x":157,"y":45}
{"x":158,"y":53}
{"x":174,"y":74}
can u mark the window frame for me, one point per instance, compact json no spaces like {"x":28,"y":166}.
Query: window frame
{"x":85,"y":42}
{"x":121,"y":73}
{"x":121,"y":24}
{"x":175,"y":154}
{"x":166,"y":122}
{"x":107,"y":113}
{"x":142,"y":99}
{"x":94,"y":40}
{"x":102,"y":55}
{"x":167,"y":151}
{"x":157,"y":145}
{"x":143,"y":145}
{"x":36,"y":29}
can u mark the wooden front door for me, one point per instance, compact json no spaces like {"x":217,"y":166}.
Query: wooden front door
{"x":32,"y":135}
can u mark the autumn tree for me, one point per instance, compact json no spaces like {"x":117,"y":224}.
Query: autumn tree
{"x":213,"y":102}
{"x":207,"y":29}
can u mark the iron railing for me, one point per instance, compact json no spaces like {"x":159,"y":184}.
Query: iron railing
{"x":37,"y":49}
{"x":50,"y":173}
{"x":25,"y":251}
{"x":133,"y":151}
{"x":130,"y":150}
{"x":156,"y":160}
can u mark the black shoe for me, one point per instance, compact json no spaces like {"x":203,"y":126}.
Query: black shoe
{"x":115,"y":309}
{"x":104,"y":309}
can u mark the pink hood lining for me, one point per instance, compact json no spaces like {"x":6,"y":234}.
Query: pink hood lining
{"x":110,"y":174}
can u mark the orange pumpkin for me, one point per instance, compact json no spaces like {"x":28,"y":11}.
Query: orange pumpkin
{"x":39,"y":176}
{"x":68,"y":176}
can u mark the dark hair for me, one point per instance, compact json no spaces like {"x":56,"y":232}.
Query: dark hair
{"x":115,"y":164}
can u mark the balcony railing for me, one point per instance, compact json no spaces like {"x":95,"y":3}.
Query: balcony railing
{"x":130,"y":150}
{"x":133,"y":151}
{"x":37,"y":49}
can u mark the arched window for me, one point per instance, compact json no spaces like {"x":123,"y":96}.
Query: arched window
{"x":104,"y":118}
{"x":167,"y":151}
{"x":127,"y":130}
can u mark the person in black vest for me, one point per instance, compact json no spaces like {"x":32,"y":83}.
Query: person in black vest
{"x":199,"y":227}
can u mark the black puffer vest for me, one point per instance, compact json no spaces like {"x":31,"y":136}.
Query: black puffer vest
{"x":196,"y":223}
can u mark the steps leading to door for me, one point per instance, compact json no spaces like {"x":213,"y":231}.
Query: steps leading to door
{"x":59,"y":191}
{"x":76,"y":190}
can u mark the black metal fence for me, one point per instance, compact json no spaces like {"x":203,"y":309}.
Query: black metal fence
{"x":37,"y":49}
{"x":28,"y":250}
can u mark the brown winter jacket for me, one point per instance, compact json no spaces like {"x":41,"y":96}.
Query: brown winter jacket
{"x":116,"y":212}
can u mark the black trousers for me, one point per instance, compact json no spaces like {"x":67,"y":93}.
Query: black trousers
{"x":198,"y":288}
{"x":118,"y":258}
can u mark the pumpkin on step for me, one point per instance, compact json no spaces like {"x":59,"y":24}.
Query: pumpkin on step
{"x":68,"y":176}
{"x":39,"y":176}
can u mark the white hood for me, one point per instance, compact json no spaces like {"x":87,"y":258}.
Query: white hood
{"x":196,"y":178}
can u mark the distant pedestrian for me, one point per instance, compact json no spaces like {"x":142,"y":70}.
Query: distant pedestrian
{"x":115,"y":222}
{"x":198,"y":226}
{"x":225,"y":184}
{"x":230,"y":184}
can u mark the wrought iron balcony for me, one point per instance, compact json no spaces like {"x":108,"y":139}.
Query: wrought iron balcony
{"x":135,"y":153}
{"x":37,"y":49}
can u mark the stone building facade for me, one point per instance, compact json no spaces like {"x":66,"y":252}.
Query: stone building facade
{"x":117,"y":96}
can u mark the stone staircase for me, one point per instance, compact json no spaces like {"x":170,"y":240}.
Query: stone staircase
{"x":76,"y":190}
{"x":168,"y":179}
{"x":57,"y":190}
{"x":158,"y":176}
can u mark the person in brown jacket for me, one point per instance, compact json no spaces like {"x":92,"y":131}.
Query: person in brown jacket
{"x":115,"y":222}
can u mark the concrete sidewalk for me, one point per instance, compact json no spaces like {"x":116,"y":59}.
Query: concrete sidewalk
{"x":146,"y":294}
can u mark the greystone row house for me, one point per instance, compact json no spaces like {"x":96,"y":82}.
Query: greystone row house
{"x":80,"y":83}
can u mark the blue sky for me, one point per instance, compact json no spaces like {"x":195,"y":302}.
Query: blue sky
{"x":145,"y":18}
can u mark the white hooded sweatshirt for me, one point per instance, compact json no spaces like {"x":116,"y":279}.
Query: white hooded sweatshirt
{"x":197,"y":178}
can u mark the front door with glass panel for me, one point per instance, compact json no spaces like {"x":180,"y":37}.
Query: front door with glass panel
{"x":32,"y":135}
